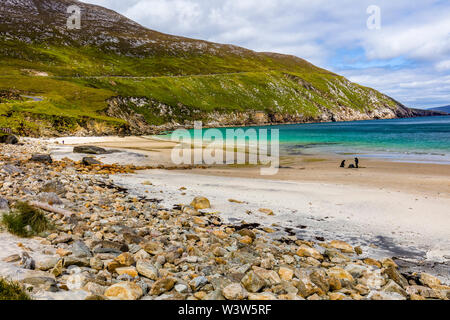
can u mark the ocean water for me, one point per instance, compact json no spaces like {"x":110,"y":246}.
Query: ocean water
{"x":422,"y":140}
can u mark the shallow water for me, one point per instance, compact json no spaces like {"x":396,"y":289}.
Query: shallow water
{"x":424,"y":139}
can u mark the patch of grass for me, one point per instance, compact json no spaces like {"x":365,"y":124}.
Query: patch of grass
{"x":25,"y":220}
{"x":10,"y":290}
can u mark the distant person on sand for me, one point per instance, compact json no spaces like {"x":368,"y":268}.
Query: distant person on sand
{"x":356,"y":162}
{"x":343,"y":164}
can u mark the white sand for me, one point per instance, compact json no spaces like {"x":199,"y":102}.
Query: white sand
{"x":399,"y":223}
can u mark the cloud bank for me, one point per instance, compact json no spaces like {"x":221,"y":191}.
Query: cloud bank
{"x":408,"y":58}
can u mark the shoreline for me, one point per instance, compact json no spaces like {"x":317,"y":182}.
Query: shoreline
{"x":266,"y":225}
{"x":379,"y":187}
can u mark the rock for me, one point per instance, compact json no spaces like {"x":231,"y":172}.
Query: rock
{"x":265,"y":296}
{"x":90,"y":161}
{"x":306,"y":251}
{"x":380,"y":295}
{"x":246,"y":240}
{"x":162,"y":285}
{"x":146,"y":269}
{"x":131,"y":271}
{"x":337,"y":296}
{"x":76,"y":281}
{"x":248,"y":233}
{"x":269,"y":276}
{"x":234,"y":291}
{"x":90,"y":150}
{"x":50,"y":198}
{"x":81,"y":250}
{"x":63,"y":238}
{"x":356,"y":270}
{"x":124,"y":291}
{"x":94,"y":289}
{"x":341,"y":245}
{"x":393,"y":274}
{"x":336,"y":256}
{"x":252,"y":282}
{"x":372,"y":262}
{"x":41,"y":283}
{"x":425,"y":292}
{"x":319,"y":278}
{"x":392,"y":286}
{"x":58,"y":268}
{"x":55,"y":187}
{"x":198,"y":283}
{"x":4,"y":206}
{"x":286,"y":273}
{"x":47,"y":263}
{"x":27,"y":262}
{"x":152,"y":247}
{"x":9,"y":139}
{"x":125,"y":259}
{"x":96,"y":263}
{"x":358,"y":251}
{"x":42,"y":158}
{"x":269,"y":212}
{"x":429,"y":280}
{"x":181,"y":288}
{"x":75,"y":261}
{"x":200,"y":203}
{"x":12,"y":258}
{"x":340,"y":274}
{"x":372,"y":279}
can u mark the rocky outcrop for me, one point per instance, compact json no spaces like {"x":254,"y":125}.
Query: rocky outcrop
{"x":132,"y":110}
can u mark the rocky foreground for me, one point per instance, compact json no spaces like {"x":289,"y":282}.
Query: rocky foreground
{"x":108,"y":244}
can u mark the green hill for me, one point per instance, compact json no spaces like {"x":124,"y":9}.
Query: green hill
{"x":115,"y":76}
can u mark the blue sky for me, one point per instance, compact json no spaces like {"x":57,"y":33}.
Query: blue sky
{"x":408,"y":58}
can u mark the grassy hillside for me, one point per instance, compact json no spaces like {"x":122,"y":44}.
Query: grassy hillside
{"x":75,"y":75}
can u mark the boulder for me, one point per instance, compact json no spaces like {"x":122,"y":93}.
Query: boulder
{"x":81,"y":250}
{"x":42,"y":158}
{"x":124,"y":291}
{"x":90,"y":150}
{"x":200,"y":203}
{"x":9,"y":139}
{"x":234,"y":291}
{"x":90,"y":161}
{"x":146,"y":269}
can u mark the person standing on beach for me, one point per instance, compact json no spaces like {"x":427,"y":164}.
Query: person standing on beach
{"x":356,"y":162}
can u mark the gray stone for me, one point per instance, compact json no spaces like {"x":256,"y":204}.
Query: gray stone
{"x":147,"y":269}
{"x":90,"y":150}
{"x":81,"y":250}
{"x":43,"y":158}
{"x":9,"y":139}
{"x":198,"y":282}
{"x":89,"y":161}
{"x":4,"y":206}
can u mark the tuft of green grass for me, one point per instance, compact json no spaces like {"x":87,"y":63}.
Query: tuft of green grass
{"x":25,"y":220}
{"x":10,"y":290}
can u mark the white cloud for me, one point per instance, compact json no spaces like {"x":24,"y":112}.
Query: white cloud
{"x":331,"y":34}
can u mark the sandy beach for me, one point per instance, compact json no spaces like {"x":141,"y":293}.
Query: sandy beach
{"x":388,"y":208}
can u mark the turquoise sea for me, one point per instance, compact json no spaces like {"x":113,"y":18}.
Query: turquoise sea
{"x":413,"y":139}
{"x":423,"y":140}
